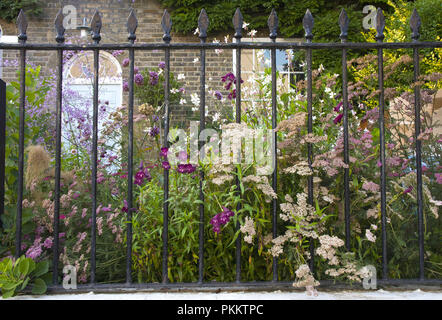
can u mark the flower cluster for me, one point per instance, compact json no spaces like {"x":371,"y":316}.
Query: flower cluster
{"x":143,"y":173}
{"x":221,"y":219}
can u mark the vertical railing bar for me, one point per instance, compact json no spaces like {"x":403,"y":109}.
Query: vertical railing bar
{"x":237,"y":23}
{"x":275,"y":169}
{"x":343,"y":20}
{"x":94,"y":165}
{"x":2,"y":147}
{"x":202,"y":24}
{"x":57,"y":168}
{"x":167,"y":23}
{"x":132,"y":24}
{"x":22,"y":24}
{"x":130,"y":166}
{"x":380,"y":37}
{"x":96,"y":27}
{"x":417,"y":131}
{"x":308,"y":26}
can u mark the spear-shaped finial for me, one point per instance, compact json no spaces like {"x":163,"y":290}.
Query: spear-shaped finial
{"x":380,"y":25}
{"x":308,"y":23}
{"x":343,"y":24}
{"x":166,"y":23}
{"x":22,"y":26}
{"x":59,"y":28}
{"x":415,"y":25}
{"x":237,"y":24}
{"x":203,"y":24}
{"x":96,"y":25}
{"x":273,"y":22}
{"x":132,"y":25}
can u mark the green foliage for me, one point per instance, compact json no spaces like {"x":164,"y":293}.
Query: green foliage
{"x":9,"y":9}
{"x":15,"y":276}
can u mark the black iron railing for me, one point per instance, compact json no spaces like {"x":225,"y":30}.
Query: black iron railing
{"x":167,"y":46}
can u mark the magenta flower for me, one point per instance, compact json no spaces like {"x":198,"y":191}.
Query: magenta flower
{"x":163,"y":152}
{"x":338,"y":106}
{"x":438,"y":177}
{"x":338,"y":118}
{"x":162,"y":65}
{"x":408,"y":190}
{"x":126,"y":62}
{"x":221,"y":219}
{"x":166,"y":165}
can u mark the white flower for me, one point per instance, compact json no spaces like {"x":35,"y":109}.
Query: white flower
{"x":226,"y":39}
{"x":216,"y":117}
{"x":196,"y":60}
{"x":195,"y":99}
{"x":245,"y":25}
{"x":196,"y":31}
{"x":436,"y":202}
{"x":370,"y":236}
{"x":174,"y":90}
{"x":183,"y":101}
{"x":181,"y":76}
{"x":252,"y":33}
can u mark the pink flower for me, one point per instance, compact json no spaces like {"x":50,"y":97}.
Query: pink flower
{"x":166,"y":165}
{"x":370,"y":186}
{"x":438,"y":177}
{"x":408,"y":190}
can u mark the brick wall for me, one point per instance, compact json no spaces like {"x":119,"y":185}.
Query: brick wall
{"x":114,"y":15}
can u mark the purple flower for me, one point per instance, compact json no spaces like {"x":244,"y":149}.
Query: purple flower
{"x":125,"y":207}
{"x":155,"y":118}
{"x":218,"y":95}
{"x":338,"y":107}
{"x":154,"y":131}
{"x":186,"y":168}
{"x":47,"y":243}
{"x":126,"y":62}
{"x":338,"y":118}
{"x":232,"y":95}
{"x":220,"y":219}
{"x":228,"y":77}
{"x":166,"y":165}
{"x":136,"y":70}
{"x":182,"y":90}
{"x":162,"y":65}
{"x":153,"y":78}
{"x":163,"y":152}
{"x":139,"y":80}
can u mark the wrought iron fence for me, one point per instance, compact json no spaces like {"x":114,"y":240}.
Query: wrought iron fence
{"x":167,"y":46}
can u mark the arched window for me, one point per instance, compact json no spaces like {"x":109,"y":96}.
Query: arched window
{"x":79,"y":75}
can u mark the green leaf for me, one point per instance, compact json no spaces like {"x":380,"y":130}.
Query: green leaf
{"x":23,"y":267}
{"x":39,"y":286}
{"x":41,"y":268}
{"x":7,"y":294}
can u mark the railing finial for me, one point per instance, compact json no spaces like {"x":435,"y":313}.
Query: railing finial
{"x":203,"y":24}
{"x":380,"y":25}
{"x":415,"y":25}
{"x":59,"y":28}
{"x":132,"y":25}
{"x":22,"y":26}
{"x":237,"y":24}
{"x":343,"y":24}
{"x":96,"y":25}
{"x":273,"y":22}
{"x":166,"y":23}
{"x":308,"y":23}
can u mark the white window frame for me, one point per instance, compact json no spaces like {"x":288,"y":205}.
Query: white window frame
{"x":288,"y":73}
